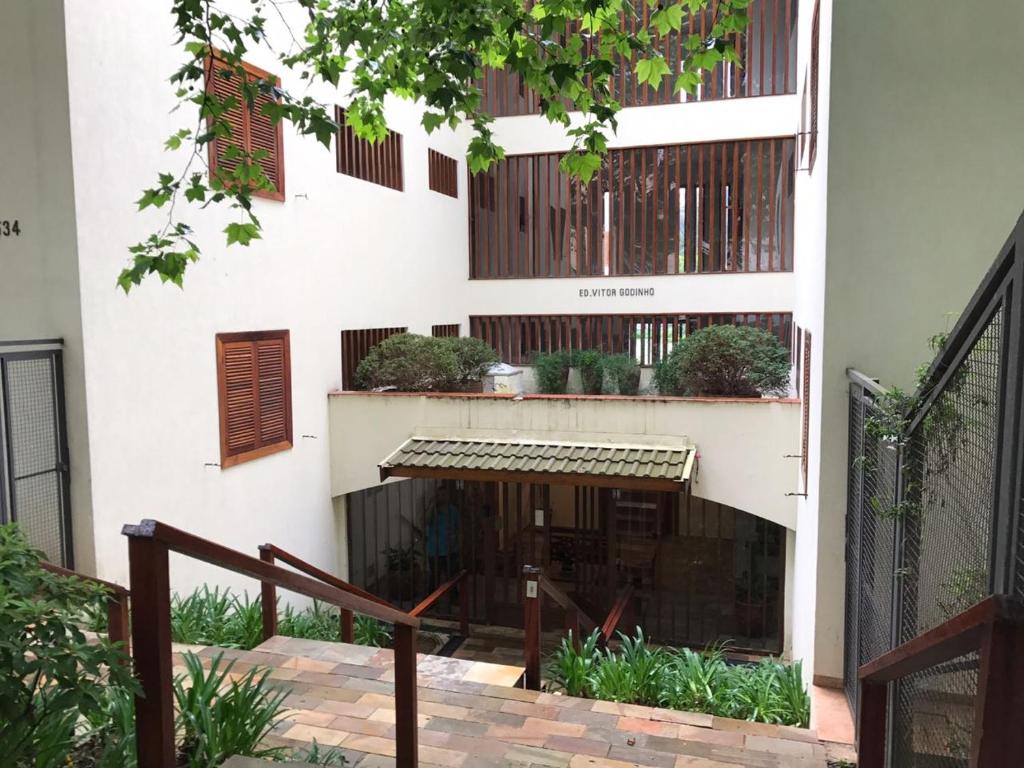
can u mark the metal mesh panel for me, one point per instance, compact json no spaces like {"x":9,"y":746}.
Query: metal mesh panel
{"x":949,"y":493}
{"x":933,"y":718}
{"x":35,"y":453}
{"x":870,"y":536}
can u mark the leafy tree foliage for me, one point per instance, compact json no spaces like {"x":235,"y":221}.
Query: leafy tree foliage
{"x":431,"y":51}
{"x":51,"y":676}
{"x":728,"y":361}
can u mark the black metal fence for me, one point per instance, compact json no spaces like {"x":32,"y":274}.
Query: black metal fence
{"x":934,"y":516}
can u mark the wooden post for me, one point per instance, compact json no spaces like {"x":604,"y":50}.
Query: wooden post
{"x":406,"y":739}
{"x":998,"y":738}
{"x":531,"y":625}
{"x":268,"y":597}
{"x":348,"y":626}
{"x":117,"y":620}
{"x":871,"y":731}
{"x":464,"y":595}
{"x":151,"y":641}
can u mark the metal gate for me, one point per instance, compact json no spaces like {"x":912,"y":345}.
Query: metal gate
{"x":34,"y":478}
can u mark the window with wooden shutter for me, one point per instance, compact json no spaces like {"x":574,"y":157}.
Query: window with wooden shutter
{"x":251,"y":130}
{"x":450,"y":330}
{"x":443,"y":173}
{"x":255,"y":391}
{"x":379,"y":162}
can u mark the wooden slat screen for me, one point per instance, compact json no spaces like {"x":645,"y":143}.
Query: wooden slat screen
{"x":815,"y":55}
{"x":805,"y":407}
{"x":254,"y":384}
{"x":443,"y":173}
{"x":767,"y":50}
{"x":378,"y":162}
{"x":251,"y":130}
{"x":354,"y":346}
{"x":677,"y":209}
{"x":647,"y":337}
{"x":445,"y":331}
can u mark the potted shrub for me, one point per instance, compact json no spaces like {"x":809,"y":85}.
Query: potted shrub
{"x":473,"y":359}
{"x":726,"y":361}
{"x":624,"y":372}
{"x":552,"y":369}
{"x":591,"y":365}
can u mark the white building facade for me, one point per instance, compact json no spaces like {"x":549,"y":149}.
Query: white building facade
{"x":738,"y":236}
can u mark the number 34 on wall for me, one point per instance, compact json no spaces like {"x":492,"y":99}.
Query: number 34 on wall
{"x":10,"y":228}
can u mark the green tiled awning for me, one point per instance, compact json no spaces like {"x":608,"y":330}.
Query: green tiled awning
{"x":651,"y":467}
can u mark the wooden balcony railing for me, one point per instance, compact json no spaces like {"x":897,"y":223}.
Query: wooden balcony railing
{"x":767,"y":53}
{"x":535,"y":585}
{"x":676,"y":209}
{"x":270,"y":553}
{"x":117,"y":603}
{"x":149,"y":545}
{"x":994,"y":628}
{"x":461,"y":578}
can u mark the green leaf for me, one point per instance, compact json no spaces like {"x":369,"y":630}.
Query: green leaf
{"x":652,"y":70}
{"x":242,"y":233}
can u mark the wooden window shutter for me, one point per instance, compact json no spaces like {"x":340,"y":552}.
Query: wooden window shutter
{"x":254,"y":381}
{"x":251,"y":130}
{"x":378,"y":162}
{"x":442,"y":173}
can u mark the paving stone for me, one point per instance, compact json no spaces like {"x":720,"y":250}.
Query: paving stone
{"x":780,"y":746}
{"x":650,"y":727}
{"x":462,"y":727}
{"x":309,"y":733}
{"x":577,"y":745}
{"x":640,"y":756}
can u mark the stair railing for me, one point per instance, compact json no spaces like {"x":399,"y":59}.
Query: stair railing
{"x":995,"y":629}
{"x":117,"y":603}
{"x":461,"y":578}
{"x":149,"y":545}
{"x":535,"y":585}
{"x":270,"y":553}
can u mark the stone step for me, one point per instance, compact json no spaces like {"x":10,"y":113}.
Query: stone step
{"x":254,"y":762}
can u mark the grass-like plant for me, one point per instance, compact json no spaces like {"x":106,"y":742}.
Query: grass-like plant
{"x":552,"y":371}
{"x":219,"y":717}
{"x":684,"y":679}
{"x":591,"y":366}
{"x":370,"y":631}
{"x":214,"y":617}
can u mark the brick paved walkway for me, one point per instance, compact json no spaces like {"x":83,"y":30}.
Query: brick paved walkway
{"x":469,"y":717}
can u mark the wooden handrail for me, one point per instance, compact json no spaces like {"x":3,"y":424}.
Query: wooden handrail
{"x":117,"y":602}
{"x":428,"y":602}
{"x":611,"y":623}
{"x":270,"y":553}
{"x":995,"y":629}
{"x":557,"y":594}
{"x":149,"y":545}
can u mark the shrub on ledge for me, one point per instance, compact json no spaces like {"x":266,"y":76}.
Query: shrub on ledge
{"x":552,"y":369}
{"x":624,"y":373}
{"x":413,"y":363}
{"x":726,"y":361}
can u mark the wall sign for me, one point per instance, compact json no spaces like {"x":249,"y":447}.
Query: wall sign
{"x":621,"y":293}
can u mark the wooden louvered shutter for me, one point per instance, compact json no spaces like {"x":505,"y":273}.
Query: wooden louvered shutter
{"x":251,"y":130}
{"x":254,"y":380}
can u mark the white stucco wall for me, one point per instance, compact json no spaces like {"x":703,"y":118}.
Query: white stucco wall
{"x":925,"y":182}
{"x":39,"y":290}
{"x":337,"y":253}
{"x":741,"y":444}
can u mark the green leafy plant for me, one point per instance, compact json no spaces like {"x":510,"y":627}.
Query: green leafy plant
{"x":315,"y":622}
{"x":624,"y":372}
{"x":317,"y":755}
{"x":728,"y":361}
{"x":552,"y":370}
{"x":695,"y":681}
{"x":473,"y":359}
{"x":413,"y":363}
{"x":216,"y":617}
{"x":369,"y":631}
{"x":51,"y":676}
{"x":591,"y":366}
{"x":219,"y":716}
{"x":433,"y":53}
{"x":571,"y":670}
